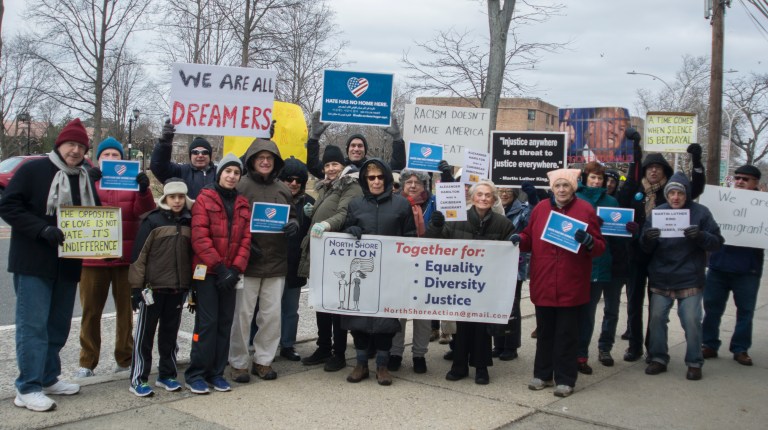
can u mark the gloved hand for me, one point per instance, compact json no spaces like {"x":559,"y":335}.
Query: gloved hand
{"x":394,"y":130}
{"x":94,"y":173}
{"x":192,"y":302}
{"x":166,"y":136}
{"x":53,"y":235}
{"x":695,"y":150}
{"x":355,"y":231}
{"x":136,"y":299}
{"x":255,"y":252}
{"x":446,"y":171}
{"x":584,"y":238}
{"x":308,"y":208}
{"x":632,"y":227}
{"x":530,"y":192}
{"x":515,"y":239}
{"x":692,"y":232}
{"x":291,"y":229}
{"x":600,"y":221}
{"x":272,"y":129}
{"x":652,"y":234}
{"x":319,"y":228}
{"x":437,"y":219}
{"x":633,"y":135}
{"x":317,"y":128}
{"x":227,"y":278}
{"x":143,"y":180}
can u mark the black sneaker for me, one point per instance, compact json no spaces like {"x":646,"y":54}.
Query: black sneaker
{"x":419,"y":365}
{"x":604,"y":357}
{"x":496,"y":352}
{"x":630,"y":355}
{"x":448,"y":355}
{"x":625,"y":335}
{"x":320,"y":356}
{"x":289,"y":354}
{"x":335,"y":363}
{"x":654,"y":368}
{"x":585,"y":368}
{"x":481,"y":376}
{"x":395,"y":361}
{"x":508,"y":355}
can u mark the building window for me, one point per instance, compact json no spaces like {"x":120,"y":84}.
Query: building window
{"x":531,"y":115}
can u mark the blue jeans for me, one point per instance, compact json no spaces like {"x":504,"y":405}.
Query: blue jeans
{"x":612,"y":303}
{"x":43,"y":316}
{"x":289,"y":316}
{"x":744,"y":287}
{"x":689,"y":311}
{"x":611,"y":292}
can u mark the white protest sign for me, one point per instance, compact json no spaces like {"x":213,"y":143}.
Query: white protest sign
{"x":741,"y":214}
{"x":453,"y":127}
{"x":671,"y":222}
{"x":457,"y":280}
{"x":451,"y":200}
{"x":90,"y":231}
{"x":222,"y":101}
{"x":476,"y":166}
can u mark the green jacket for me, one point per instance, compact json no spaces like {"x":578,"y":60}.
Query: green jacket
{"x":601,"y":266}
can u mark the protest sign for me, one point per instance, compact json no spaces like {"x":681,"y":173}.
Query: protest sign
{"x":222,"y":101}
{"x":357,"y":97}
{"x":90,"y":231}
{"x":453,"y":127}
{"x":451,"y":200}
{"x":615,"y":221}
{"x":475,"y":166}
{"x":290,"y":133}
{"x":669,"y":131}
{"x":461,"y":280}
{"x":424,"y":156}
{"x":741,"y":214}
{"x":560,"y":231}
{"x":671,"y":222}
{"x":526,"y":156}
{"x":269,"y":217}
{"x":597,"y":134}
{"x":119,"y":175}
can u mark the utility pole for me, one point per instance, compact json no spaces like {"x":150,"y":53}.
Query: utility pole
{"x":716,"y":92}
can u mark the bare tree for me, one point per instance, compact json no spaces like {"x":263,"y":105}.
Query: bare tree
{"x":245,"y":20}
{"x":130,"y":89}
{"x":688,"y":92}
{"x":198,"y":33}
{"x":747,"y":98}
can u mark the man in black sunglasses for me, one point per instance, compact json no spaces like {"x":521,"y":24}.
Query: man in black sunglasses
{"x":200,"y":170}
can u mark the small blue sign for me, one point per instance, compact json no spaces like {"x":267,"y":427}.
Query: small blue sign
{"x":424,"y":156}
{"x":357,"y":97}
{"x":560,"y":231}
{"x":269,"y":217}
{"x":615,"y":221}
{"x":119,"y":175}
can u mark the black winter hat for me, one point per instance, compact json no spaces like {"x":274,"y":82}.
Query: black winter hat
{"x":198,"y":142}
{"x":750,"y":170}
{"x":611,"y":173}
{"x":229,"y":160}
{"x":294,"y":167}
{"x":361,"y":137}
{"x":333,"y":153}
{"x":657,"y":158}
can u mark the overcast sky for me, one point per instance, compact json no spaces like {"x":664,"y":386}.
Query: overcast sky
{"x":608,"y":38}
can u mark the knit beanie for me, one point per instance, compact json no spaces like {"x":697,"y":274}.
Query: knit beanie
{"x":333,"y":153}
{"x":357,"y":136}
{"x":673,"y":186}
{"x":74,"y":132}
{"x":570,"y":175}
{"x":610,"y":173}
{"x":229,"y":160}
{"x":750,"y":170}
{"x":294,"y":167}
{"x":198,"y":142}
{"x":110,"y":143}
{"x":174,"y":186}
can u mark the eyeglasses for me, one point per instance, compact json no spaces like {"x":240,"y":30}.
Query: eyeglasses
{"x":412,"y":183}
{"x":265,"y":158}
{"x":292,"y":179}
{"x":742,"y":178}
{"x":375,"y":177}
{"x":201,"y":152}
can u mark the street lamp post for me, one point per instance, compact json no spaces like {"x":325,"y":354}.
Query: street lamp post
{"x":731,"y":117}
{"x":26,"y":117}
{"x":652,"y":76}
{"x":135,"y":118}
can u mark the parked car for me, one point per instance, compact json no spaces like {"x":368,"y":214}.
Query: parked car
{"x":9,"y":166}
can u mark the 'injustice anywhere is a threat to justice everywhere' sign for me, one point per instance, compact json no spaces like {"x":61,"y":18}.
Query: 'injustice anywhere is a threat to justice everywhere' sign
{"x":467,"y":280}
{"x":90,"y":232}
{"x":521,"y":156}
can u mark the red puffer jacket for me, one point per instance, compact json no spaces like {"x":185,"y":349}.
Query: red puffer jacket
{"x":132,"y":205}
{"x":213,"y":241}
{"x":560,"y":278}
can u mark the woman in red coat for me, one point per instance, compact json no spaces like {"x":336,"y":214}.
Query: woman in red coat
{"x":221,"y":240}
{"x":559,"y":282}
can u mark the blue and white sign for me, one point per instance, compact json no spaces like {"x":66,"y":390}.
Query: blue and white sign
{"x":424,"y":156}
{"x":357,"y":97}
{"x":269,"y":217}
{"x":615,"y":221}
{"x":119,"y":175}
{"x":560,"y":231}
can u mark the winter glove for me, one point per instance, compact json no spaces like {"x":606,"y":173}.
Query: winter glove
{"x":437,"y":219}
{"x":53,"y":235}
{"x":394,"y":130}
{"x":316,"y":127}
{"x":652,"y":234}
{"x":584,"y":238}
{"x":446,"y":171}
{"x":272,"y":129}
{"x":692,"y":232}
{"x":192,"y":302}
{"x":291,"y":229}
{"x":143,"y":180}
{"x":319,"y":228}
{"x":633,"y":135}
{"x":515,"y":239}
{"x":355,"y":231}
{"x":530,"y":191}
{"x":168,"y":132}
{"x":227,"y":278}
{"x":695,"y":150}
{"x":308,"y":209}
{"x":94,"y":173}
{"x":632,"y":227}
{"x":136,"y":299}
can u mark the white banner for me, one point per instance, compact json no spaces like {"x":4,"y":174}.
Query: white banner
{"x":741,"y":214}
{"x":397,"y":277}
{"x":453,"y":127}
{"x":671,"y":222}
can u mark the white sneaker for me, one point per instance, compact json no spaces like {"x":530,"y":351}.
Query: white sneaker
{"x":36,"y":401}
{"x":62,"y":388}
{"x":563,"y":390}
{"x":84,"y":372}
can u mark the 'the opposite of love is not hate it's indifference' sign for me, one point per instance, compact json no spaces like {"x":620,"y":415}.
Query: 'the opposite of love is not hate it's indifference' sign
{"x":453,"y":127}
{"x":526,"y":156}
{"x":669,"y":131}
{"x":222,"y":101}
{"x":269,"y":217}
{"x":90,"y":231}
{"x":560,"y":230}
{"x":451,"y":200}
{"x":475,"y":166}
{"x":357,"y":97}
{"x":671,"y":222}
{"x":424,"y":156}
{"x":741,"y":214}
{"x":457,"y":280}
{"x":615,"y":221}
{"x":119,"y":175}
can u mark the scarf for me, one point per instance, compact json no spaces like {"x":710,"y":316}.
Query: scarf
{"x":418,"y":213}
{"x":60,"y":193}
{"x":650,"y":194}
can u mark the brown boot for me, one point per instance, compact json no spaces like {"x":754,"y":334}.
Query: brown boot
{"x":359,"y":373}
{"x":383,"y":376}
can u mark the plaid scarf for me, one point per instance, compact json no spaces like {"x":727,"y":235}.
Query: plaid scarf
{"x":650,"y":193}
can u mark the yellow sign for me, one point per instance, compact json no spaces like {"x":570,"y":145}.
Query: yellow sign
{"x":669,"y":131}
{"x":290,"y":133}
{"x":91,"y":232}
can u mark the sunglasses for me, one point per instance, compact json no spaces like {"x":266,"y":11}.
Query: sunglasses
{"x":742,"y":178}
{"x":201,"y":152}
{"x":292,"y":179}
{"x":375,"y":177}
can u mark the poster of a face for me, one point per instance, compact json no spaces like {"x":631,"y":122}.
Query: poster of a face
{"x":596,"y":134}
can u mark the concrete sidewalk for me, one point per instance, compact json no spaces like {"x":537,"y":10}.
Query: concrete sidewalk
{"x":619,"y":397}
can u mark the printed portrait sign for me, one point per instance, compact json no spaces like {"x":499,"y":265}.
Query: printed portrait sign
{"x":741,"y":214}
{"x":451,"y":200}
{"x":671,"y":222}
{"x":560,"y":230}
{"x":597,"y":134}
{"x":119,"y":175}
{"x":669,"y":131}
{"x":615,"y":221}
{"x":269,"y":217}
{"x":526,"y":156}
{"x":466,"y":280}
{"x":90,"y":231}
{"x":357,"y":97}
{"x":222,"y":101}
{"x":424,"y":156}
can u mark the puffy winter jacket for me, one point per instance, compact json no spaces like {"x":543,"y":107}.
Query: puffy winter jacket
{"x":164,"y":169}
{"x":162,"y":257}
{"x":214,"y":240}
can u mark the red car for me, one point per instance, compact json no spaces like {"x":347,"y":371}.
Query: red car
{"x":9,"y":166}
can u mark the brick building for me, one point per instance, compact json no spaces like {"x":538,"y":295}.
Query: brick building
{"x":518,"y":114}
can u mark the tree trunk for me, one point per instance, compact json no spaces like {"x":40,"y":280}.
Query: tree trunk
{"x":499,"y":18}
